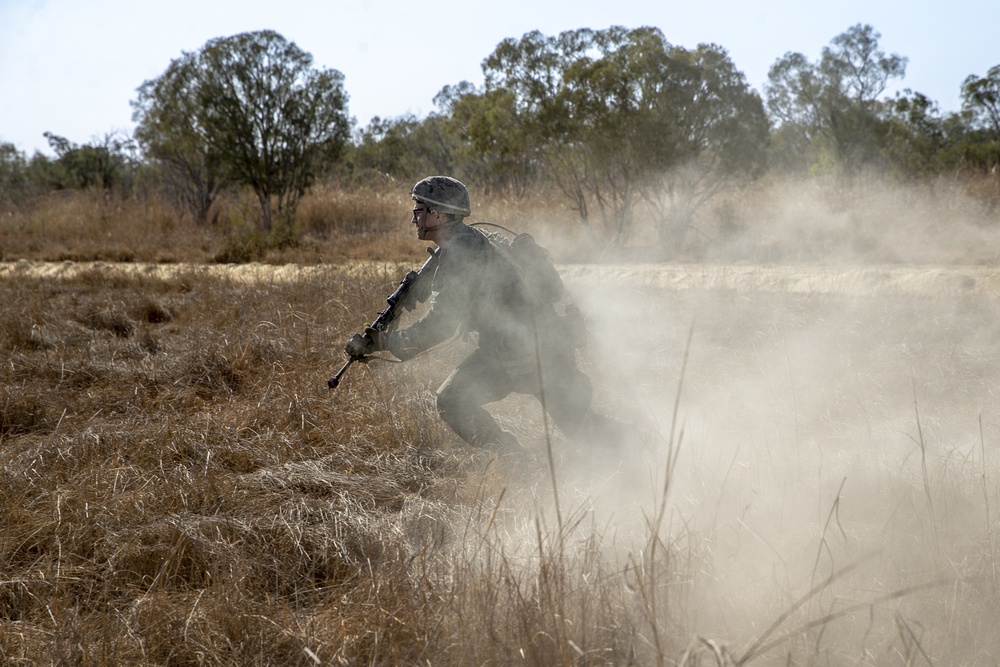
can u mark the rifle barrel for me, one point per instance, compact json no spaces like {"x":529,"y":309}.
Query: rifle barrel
{"x":335,"y":380}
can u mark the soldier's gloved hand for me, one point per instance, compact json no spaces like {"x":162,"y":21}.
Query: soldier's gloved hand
{"x":364,"y":344}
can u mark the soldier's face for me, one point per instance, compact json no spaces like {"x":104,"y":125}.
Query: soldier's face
{"x":423,"y":220}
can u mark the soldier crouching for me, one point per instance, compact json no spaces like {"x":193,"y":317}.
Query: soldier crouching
{"x":476,"y":287}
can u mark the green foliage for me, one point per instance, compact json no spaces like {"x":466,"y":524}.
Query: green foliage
{"x":981,"y":98}
{"x":831,"y":109}
{"x":722,"y":141}
{"x":13,"y":174}
{"x":616,"y":118}
{"x":921,"y":142}
{"x":247,"y":242}
{"x":625,"y":126}
{"x":496,"y":158}
{"x":981,"y":103}
{"x":858,"y":67}
{"x":982,"y":153}
{"x":915,"y":135}
{"x":384,"y":146}
{"x":248,"y":109}
{"x":172,"y":137}
{"x":107,"y":164}
{"x":398,"y":148}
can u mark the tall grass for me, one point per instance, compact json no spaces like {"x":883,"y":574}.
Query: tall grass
{"x":333,"y":224}
{"x":948,"y":221}
{"x":178,"y":486}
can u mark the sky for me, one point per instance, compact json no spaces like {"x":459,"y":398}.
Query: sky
{"x":72,"y":67}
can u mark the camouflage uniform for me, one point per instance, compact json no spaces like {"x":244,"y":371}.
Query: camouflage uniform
{"x":476,"y":289}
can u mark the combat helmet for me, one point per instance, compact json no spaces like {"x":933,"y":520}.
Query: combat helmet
{"x":443,"y":193}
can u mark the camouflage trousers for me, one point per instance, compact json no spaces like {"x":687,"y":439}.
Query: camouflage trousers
{"x":552,"y":376}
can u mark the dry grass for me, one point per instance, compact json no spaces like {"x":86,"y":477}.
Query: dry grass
{"x":178,"y":487}
{"x":949,"y":221}
{"x":333,"y":224}
{"x":84,"y":226}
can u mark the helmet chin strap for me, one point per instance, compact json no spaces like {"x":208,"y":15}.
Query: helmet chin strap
{"x":436,"y":227}
{"x":443,"y":224}
{"x":431,"y":229}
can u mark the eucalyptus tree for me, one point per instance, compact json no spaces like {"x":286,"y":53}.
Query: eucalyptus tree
{"x":107,"y":163}
{"x":22,"y":178}
{"x":172,"y":135}
{"x":720,"y":135}
{"x":384,"y":147}
{"x":487,"y":143}
{"x":619,"y":118}
{"x":829,"y":113}
{"x":916,"y":136}
{"x":981,"y":98}
{"x":981,"y":105}
{"x":249,"y":109}
{"x":402,"y":146}
{"x":13,"y":173}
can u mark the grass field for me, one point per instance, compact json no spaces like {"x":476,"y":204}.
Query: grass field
{"x":816,"y":483}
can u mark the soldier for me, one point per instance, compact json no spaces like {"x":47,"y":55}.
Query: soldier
{"x":521,"y":345}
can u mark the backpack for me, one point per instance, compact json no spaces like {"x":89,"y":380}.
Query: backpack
{"x":543,"y":286}
{"x":532,"y":263}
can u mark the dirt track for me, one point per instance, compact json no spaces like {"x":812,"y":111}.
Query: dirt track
{"x":858,"y":280}
{"x":798,"y":279}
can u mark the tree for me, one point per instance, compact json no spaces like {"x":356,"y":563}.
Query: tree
{"x":12,"y":166}
{"x":21,"y":178}
{"x":403,"y":146}
{"x":171,"y":134}
{"x":981,"y":103}
{"x":724,"y":138}
{"x":487,"y":142}
{"x":13,"y":174}
{"x":981,"y":98}
{"x":858,"y":67}
{"x":618,"y":118}
{"x":830,"y":111}
{"x":247,"y":109}
{"x":915,"y":135}
{"x":106,"y":164}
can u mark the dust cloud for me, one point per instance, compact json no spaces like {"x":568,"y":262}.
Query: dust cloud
{"x":837,"y":424}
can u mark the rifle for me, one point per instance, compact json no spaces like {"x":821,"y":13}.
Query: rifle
{"x":405,"y":296}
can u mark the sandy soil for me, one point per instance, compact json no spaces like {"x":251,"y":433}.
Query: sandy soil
{"x":793,"y":279}
{"x":802,"y":279}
